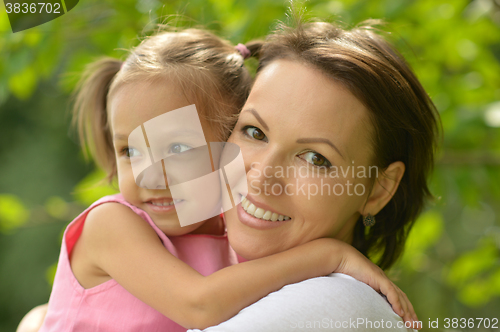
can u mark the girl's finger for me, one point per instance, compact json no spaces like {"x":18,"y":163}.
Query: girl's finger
{"x":393,"y":296}
{"x":406,"y":316}
{"x":411,"y":310}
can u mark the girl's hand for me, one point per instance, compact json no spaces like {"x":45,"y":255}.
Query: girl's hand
{"x":355,"y":264}
{"x":33,"y":320}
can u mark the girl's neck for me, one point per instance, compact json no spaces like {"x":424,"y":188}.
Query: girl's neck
{"x":213,"y":226}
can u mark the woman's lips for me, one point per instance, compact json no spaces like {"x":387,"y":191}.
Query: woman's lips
{"x":261,"y":210}
{"x":257,"y":223}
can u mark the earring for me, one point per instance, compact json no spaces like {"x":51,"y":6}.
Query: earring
{"x":368,"y":220}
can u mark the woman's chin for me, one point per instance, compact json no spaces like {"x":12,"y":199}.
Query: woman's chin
{"x":252,"y":243}
{"x":251,"y":246}
{"x":248,"y":251}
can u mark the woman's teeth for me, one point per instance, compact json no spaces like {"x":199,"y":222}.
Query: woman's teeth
{"x":261,"y":213}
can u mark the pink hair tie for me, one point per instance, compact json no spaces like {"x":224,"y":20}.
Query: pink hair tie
{"x":244,"y":51}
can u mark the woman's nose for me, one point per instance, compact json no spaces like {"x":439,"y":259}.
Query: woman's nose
{"x":152,"y":177}
{"x":265,"y":175}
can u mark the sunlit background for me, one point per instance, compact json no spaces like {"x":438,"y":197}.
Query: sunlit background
{"x":451,"y":266}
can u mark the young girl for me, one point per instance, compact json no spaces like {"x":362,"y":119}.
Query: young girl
{"x":126,"y":264}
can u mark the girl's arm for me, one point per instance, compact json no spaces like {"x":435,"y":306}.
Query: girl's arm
{"x":118,"y":243}
{"x":33,"y":320}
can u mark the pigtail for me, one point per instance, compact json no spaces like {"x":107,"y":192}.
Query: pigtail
{"x":90,"y":112}
{"x":206,"y":68}
{"x":254,"y":47}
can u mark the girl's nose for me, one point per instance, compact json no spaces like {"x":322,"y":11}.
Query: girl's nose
{"x":152,"y":177}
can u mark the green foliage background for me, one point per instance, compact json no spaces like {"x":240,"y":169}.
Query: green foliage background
{"x":451,"y":265}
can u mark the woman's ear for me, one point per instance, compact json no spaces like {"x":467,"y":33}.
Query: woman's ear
{"x":384,"y":188}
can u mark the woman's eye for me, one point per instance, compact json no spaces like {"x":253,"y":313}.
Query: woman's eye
{"x":179,"y":148}
{"x":316,"y":159}
{"x":131,"y":152}
{"x":255,"y":133}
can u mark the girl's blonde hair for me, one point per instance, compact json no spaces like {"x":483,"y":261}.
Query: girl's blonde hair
{"x":208,"y":69}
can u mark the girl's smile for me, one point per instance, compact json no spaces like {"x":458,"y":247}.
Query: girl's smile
{"x":163,"y":205}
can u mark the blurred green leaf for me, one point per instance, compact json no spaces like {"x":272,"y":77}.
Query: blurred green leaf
{"x":473,"y":263}
{"x":12,"y":213}
{"x":480,"y":291}
{"x":23,"y":84}
{"x":50,"y":273}
{"x":56,"y":207}
{"x":93,"y":187}
{"x":427,"y":231}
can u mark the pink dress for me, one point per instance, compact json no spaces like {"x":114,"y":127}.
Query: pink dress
{"x":108,"y":306}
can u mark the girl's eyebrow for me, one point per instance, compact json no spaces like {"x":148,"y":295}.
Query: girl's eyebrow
{"x":320,"y":140}
{"x":119,"y":137}
{"x":257,"y":116}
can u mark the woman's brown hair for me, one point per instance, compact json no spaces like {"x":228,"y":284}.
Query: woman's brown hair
{"x":405,"y":121}
{"x":209,"y":70}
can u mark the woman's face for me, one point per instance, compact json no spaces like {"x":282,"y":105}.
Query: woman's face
{"x":302,"y":135}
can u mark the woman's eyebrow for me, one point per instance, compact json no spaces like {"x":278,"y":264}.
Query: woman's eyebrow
{"x":257,"y":116}
{"x":320,"y":140}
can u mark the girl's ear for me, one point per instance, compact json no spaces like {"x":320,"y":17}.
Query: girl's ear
{"x":384,"y":188}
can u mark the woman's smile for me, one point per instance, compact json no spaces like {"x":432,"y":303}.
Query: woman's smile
{"x":260,"y":211}
{"x":259,"y":215}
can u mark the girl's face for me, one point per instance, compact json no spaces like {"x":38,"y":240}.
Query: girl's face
{"x":130,"y":106}
{"x":301,"y":134}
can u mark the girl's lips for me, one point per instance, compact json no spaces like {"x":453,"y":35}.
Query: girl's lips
{"x":163,"y":209}
{"x":257,"y":223}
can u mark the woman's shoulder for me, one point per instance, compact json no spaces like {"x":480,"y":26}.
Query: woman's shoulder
{"x":335,"y":291}
{"x":335,"y":302}
{"x":336,"y":284}
{"x":338,"y":297}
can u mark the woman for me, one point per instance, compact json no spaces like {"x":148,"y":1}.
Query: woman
{"x":329,"y":99}
{"x":343,"y":112}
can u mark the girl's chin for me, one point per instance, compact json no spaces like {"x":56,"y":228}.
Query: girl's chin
{"x":175,"y":229}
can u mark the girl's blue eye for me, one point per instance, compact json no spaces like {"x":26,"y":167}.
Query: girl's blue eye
{"x":131,"y":152}
{"x":255,"y":133}
{"x":179,"y":148}
{"x":316,"y":159}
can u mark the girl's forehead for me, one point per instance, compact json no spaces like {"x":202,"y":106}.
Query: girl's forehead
{"x":134,"y":103}
{"x":159,"y":104}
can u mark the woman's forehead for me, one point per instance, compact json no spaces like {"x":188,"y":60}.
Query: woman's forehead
{"x":297,"y":86}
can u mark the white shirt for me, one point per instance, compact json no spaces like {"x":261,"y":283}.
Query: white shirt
{"x":337,"y":302}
